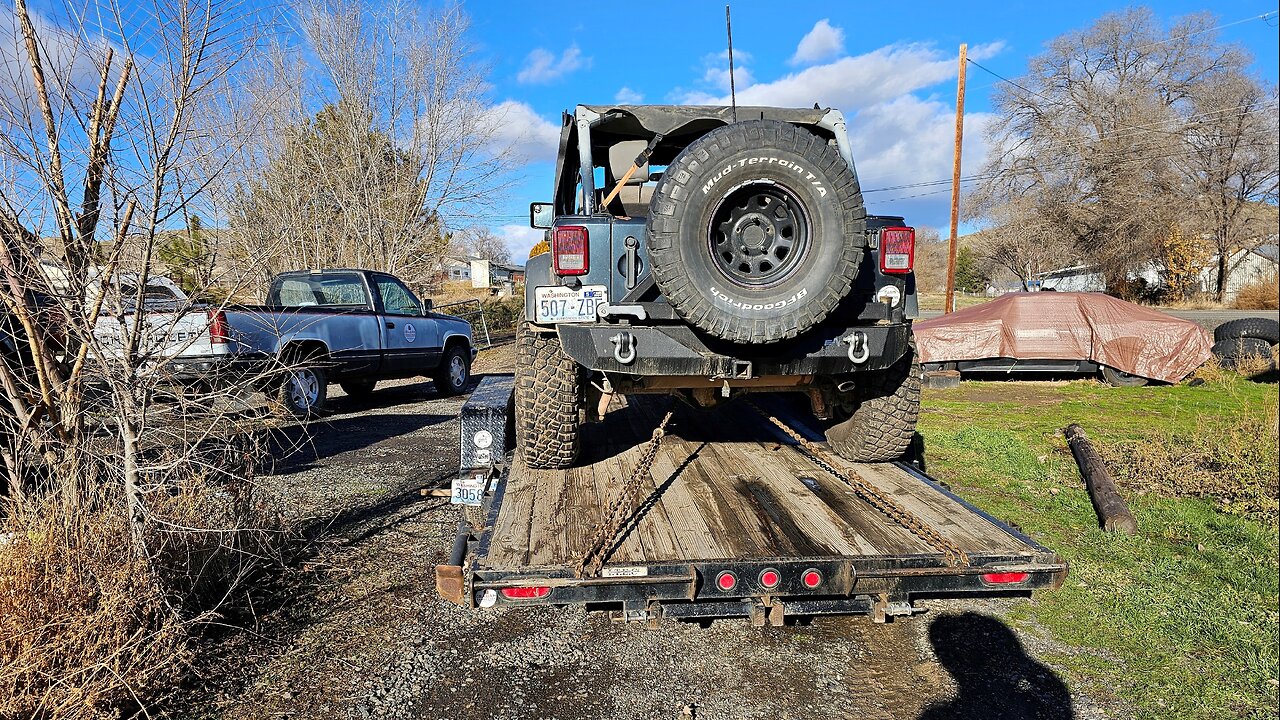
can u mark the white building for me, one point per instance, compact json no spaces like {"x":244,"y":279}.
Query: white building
{"x":1248,"y":267}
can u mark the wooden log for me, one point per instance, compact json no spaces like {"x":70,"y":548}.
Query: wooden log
{"x":1113,"y":511}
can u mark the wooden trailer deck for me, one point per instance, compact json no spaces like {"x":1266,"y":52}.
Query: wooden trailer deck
{"x":725,"y":486}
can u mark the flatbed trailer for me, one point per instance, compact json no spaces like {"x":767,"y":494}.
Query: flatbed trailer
{"x":735,"y":516}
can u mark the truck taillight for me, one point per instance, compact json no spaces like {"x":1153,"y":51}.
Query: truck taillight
{"x":218,"y":334}
{"x":569,"y":250}
{"x":525,"y":593}
{"x":897,"y":249}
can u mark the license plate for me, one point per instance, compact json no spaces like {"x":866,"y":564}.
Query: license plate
{"x":563,"y":304}
{"x":468,"y":490}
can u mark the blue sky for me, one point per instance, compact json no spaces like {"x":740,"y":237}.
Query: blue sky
{"x":891,"y":67}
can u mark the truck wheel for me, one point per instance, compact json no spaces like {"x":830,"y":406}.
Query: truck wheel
{"x":304,"y":392}
{"x":548,"y":395}
{"x":756,"y":231}
{"x":358,"y":388}
{"x":1120,"y":378}
{"x":454,"y":372}
{"x":1251,"y":327}
{"x":882,"y":418}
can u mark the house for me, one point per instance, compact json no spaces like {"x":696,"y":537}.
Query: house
{"x":456,"y":269}
{"x":1248,"y":267}
{"x":1087,"y":278}
{"x":500,"y":278}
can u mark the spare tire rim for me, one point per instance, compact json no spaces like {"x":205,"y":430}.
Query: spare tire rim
{"x":759,"y":234}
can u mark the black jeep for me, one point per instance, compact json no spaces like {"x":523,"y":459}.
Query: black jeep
{"x":710,"y":251}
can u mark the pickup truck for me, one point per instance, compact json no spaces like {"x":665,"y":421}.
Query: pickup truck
{"x":353,"y":327}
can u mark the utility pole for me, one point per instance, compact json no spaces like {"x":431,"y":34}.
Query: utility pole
{"x":955,"y":185}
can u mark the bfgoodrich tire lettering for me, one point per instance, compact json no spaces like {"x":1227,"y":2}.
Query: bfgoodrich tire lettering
{"x":756,"y":231}
{"x":547,"y":398}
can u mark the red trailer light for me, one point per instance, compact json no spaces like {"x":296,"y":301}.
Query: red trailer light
{"x":726,"y":581}
{"x":769,"y":578}
{"x":569,"y":250}
{"x":897,"y":250}
{"x":525,"y":593}
{"x":218,"y":334}
{"x":811,"y":578}
{"x":1005,"y":578}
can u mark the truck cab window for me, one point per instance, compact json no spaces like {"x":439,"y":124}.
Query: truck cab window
{"x":336,"y":290}
{"x":396,"y":298}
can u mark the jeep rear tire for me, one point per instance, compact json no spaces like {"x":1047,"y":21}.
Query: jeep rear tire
{"x":548,"y":397}
{"x":882,"y":414}
{"x":756,"y":231}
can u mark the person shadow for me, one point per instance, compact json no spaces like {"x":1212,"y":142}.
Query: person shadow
{"x":995,"y":678}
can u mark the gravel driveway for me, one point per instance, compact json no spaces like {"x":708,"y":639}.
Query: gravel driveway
{"x":357,"y":631}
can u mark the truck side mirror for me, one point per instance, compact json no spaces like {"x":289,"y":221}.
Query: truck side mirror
{"x":427,"y":304}
{"x":541,"y":215}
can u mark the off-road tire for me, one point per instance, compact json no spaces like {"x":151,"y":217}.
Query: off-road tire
{"x":700,"y":270}
{"x":447,"y":381}
{"x":1250,"y":327}
{"x":296,"y":402}
{"x":1232,"y":351}
{"x":358,"y":388}
{"x":548,"y":398}
{"x":882,"y":421}
{"x":1119,"y":378}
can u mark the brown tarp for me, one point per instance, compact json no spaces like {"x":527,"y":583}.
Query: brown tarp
{"x":1068,"y":326}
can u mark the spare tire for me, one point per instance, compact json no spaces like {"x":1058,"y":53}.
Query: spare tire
{"x":1250,"y":327}
{"x":756,"y":231}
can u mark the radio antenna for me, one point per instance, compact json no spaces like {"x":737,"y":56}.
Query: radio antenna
{"x":733,"y":94}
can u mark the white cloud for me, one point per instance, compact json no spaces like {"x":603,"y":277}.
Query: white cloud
{"x":541,"y":66}
{"x":820,"y":43}
{"x":526,"y":134}
{"x":861,"y":81}
{"x":520,"y":239}
{"x":627,"y":96}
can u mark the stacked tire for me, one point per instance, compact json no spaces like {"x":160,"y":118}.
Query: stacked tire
{"x":1241,"y":341}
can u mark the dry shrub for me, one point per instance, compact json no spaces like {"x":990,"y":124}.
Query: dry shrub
{"x":90,"y":627}
{"x":1235,"y":463}
{"x":1261,"y":294}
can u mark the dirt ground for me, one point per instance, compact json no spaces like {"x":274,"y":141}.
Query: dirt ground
{"x":356,"y":630}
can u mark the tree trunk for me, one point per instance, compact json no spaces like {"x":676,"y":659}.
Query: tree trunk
{"x":1222,"y":275}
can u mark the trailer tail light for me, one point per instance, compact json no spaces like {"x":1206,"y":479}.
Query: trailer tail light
{"x":811,"y":578}
{"x":1005,"y":578}
{"x":726,"y":581}
{"x":897,"y":250}
{"x":569,"y":250}
{"x":218,"y":334}
{"x":525,"y":593}
{"x":769,"y":578}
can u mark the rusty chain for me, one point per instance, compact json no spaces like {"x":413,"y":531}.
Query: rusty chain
{"x":606,"y":534}
{"x":871,"y":494}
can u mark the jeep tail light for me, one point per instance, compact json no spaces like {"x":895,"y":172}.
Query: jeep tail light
{"x":218,"y":334}
{"x":897,"y":249}
{"x":569,"y":250}
{"x":525,"y":593}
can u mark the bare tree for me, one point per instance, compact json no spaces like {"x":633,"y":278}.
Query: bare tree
{"x":1230,"y":168}
{"x":104,"y":146}
{"x":1022,"y":244}
{"x":1087,"y":145}
{"x":482,"y":243}
{"x":385,"y":140}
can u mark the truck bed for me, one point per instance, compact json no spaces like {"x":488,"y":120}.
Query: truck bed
{"x":727,"y":491}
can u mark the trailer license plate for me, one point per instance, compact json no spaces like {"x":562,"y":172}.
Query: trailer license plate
{"x":468,"y":490}
{"x":562,"y":304}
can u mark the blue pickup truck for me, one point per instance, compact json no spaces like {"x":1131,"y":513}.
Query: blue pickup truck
{"x":352,"y":327}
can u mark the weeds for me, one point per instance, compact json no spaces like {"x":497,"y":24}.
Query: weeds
{"x":1261,"y":294}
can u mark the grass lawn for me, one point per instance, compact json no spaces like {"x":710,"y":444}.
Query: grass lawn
{"x":1180,"y":620}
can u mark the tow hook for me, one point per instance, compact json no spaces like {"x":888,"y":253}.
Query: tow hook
{"x":859,"y":351}
{"x":624,"y":347}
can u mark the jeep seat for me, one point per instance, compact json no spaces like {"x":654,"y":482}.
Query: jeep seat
{"x":636,"y":194}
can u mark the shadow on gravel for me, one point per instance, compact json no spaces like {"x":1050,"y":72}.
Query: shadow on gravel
{"x":995,"y":678}
{"x":298,"y":447}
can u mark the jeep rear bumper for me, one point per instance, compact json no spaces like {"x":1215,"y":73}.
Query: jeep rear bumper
{"x":667,"y":350}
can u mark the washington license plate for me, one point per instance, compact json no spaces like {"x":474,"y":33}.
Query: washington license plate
{"x":563,"y":304}
{"x":468,"y":490}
